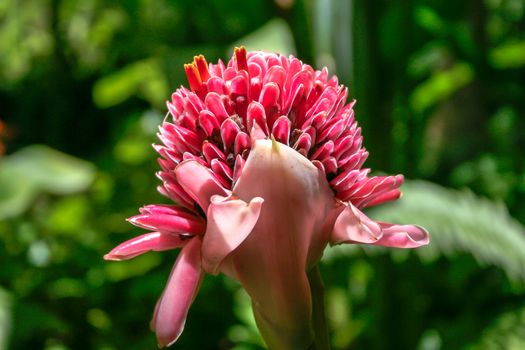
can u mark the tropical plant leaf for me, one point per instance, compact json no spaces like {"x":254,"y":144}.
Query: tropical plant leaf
{"x":458,"y":222}
{"x":506,"y":332}
{"x":38,"y":168}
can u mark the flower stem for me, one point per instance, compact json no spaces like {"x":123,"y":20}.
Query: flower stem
{"x":322,"y":340}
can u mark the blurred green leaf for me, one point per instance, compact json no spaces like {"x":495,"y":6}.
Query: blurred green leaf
{"x":51,"y":170}
{"x":143,"y":77}
{"x":5,"y":318}
{"x":440,"y":86}
{"x":32,"y":318}
{"x":508,"y":55}
{"x":117,"y":271}
{"x":507,"y":332}
{"x":245,"y":333}
{"x":69,"y":215}
{"x":35,"y":169}
{"x":99,"y":319}
{"x":15,"y":194}
{"x":429,"y":58}
{"x":133,"y":150}
{"x":459,"y":221}
{"x":429,"y":19}
{"x":66,"y":288}
{"x":486,"y":172}
{"x":274,"y":36}
{"x":338,"y":313}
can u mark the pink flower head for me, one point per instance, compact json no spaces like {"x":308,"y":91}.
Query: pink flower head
{"x":263,"y":161}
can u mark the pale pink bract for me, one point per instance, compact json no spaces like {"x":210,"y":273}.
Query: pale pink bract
{"x":263,"y":161}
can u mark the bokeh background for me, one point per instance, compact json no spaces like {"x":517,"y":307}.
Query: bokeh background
{"x":441,"y":99}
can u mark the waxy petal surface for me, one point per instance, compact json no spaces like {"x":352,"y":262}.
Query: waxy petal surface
{"x":153,"y":241}
{"x":230,"y":221}
{"x":403,"y":236}
{"x":198,"y":182}
{"x":183,"y":283}
{"x":353,"y":226}
{"x":288,"y":238}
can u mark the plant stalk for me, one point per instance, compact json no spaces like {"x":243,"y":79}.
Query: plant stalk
{"x":321,"y":340}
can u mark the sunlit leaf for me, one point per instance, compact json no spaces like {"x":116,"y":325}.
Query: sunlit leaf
{"x":440,"y":86}
{"x":35,"y":169}
{"x":131,"y":268}
{"x":429,"y":19}
{"x":67,"y":288}
{"x":506,"y":332}
{"x":143,"y":77}
{"x":68,"y":215}
{"x":460,"y":221}
{"x":274,"y":36}
{"x":5,"y":318}
{"x":15,"y":195}
{"x":508,"y":55}
{"x":429,"y":58}
{"x":50,"y":170}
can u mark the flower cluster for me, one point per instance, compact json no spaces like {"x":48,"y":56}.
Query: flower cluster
{"x":262,"y":158}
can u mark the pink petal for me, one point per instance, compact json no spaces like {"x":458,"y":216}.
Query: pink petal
{"x":210,"y":152}
{"x":403,"y":236}
{"x":230,"y":221}
{"x":242,"y":142}
{"x":289,"y":237}
{"x":352,"y":226}
{"x":330,"y":165}
{"x":276,"y":74}
{"x":198,"y":182}
{"x":175,"y":192}
{"x":269,"y":96}
{"x":353,"y":160}
{"x":216,"y":84}
{"x":193,"y":104}
{"x":183,"y":284}
{"x":377,"y":184}
{"x":229,"y":130}
{"x":256,"y":114}
{"x":323,"y":151}
{"x":345,"y":180}
{"x":208,"y":122}
{"x":303,"y":144}
{"x":239,"y":84}
{"x":216,"y":106}
{"x":343,"y":144}
{"x":281,"y":129}
{"x":153,"y":241}
{"x":332,"y":132}
{"x":237,"y":168}
{"x":256,"y":133}
{"x":382,"y":198}
{"x":221,"y":169}
{"x":168,"y":223}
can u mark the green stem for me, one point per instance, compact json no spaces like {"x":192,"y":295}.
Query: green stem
{"x":322,"y":340}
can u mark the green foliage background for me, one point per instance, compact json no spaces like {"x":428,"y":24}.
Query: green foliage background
{"x":441,"y":98}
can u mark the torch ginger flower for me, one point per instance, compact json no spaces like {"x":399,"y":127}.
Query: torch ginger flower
{"x":263,"y":161}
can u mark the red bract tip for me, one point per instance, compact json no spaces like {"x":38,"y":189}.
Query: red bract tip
{"x":202,"y":67}
{"x":194,"y":77}
{"x":240,"y":57}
